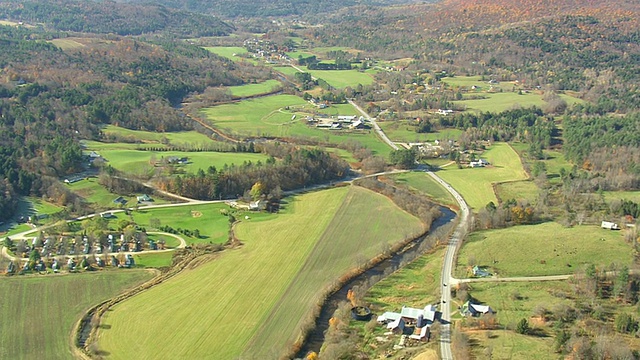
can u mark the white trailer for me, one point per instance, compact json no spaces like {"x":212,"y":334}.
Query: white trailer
{"x":609,"y":225}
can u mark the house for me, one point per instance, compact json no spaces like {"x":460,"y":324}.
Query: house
{"x":445,"y":112}
{"x":177,"y":160}
{"x":471,"y":309}
{"x":257,"y":205}
{"x":480,"y":272}
{"x":419,"y":317}
{"x":73,"y":179}
{"x":346,"y":119}
{"x":335,"y":126}
{"x":144,"y":198}
{"x":397,"y":326}
{"x":120,"y":201}
{"x":357,"y":125}
{"x":479,"y":163}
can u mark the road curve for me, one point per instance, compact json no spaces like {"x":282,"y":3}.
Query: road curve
{"x":447,"y":267}
{"x":376,"y":127}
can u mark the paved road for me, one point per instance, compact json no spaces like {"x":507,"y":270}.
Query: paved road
{"x":376,"y":127}
{"x":447,"y":267}
{"x":511,"y":279}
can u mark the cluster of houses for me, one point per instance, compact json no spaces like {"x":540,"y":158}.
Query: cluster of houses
{"x":266,"y":49}
{"x":414,"y":323}
{"x":339,"y":123}
{"x":72,"y":265}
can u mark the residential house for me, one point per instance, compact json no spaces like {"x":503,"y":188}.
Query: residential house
{"x":144,"y":198}
{"x":471,"y":309}
{"x":120,"y":201}
{"x":480,"y":272}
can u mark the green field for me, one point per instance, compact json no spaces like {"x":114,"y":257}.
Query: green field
{"x":248,"y":309}
{"x":181,"y":138}
{"x":622,"y":195}
{"x":520,"y":190}
{"x":66,"y":44}
{"x":512,"y":302}
{"x":153,"y":260}
{"x":475,"y":184}
{"x":415,"y":285}
{"x":227,"y":51}
{"x":269,"y":116}
{"x":342,"y":78}
{"x":94,"y":193}
{"x":402,"y":131}
{"x":426,"y":185}
{"x":212,"y":224}
{"x":543,"y":249}
{"x":139,"y":162}
{"x":255,"y":89}
{"x":39,"y":312}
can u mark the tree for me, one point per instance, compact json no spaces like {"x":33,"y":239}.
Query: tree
{"x":523,"y":327}
{"x":404,"y":158}
{"x":8,"y":243}
{"x":257,"y":190}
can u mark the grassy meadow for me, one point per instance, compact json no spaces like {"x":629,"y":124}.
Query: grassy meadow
{"x":39,"y":312}
{"x":475,"y":184}
{"x":227,"y":51}
{"x":342,"y":78}
{"x":94,"y":193}
{"x":426,"y":185}
{"x":255,"y":89}
{"x":402,"y":131}
{"x":525,"y":190}
{"x":192,"y":138}
{"x":66,"y":43}
{"x":250,"y":310}
{"x":274,"y":116}
{"x":551,"y":249}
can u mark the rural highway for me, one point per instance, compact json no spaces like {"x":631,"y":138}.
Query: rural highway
{"x":447,"y":267}
{"x":376,"y":127}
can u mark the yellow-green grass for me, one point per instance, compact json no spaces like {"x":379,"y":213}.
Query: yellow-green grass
{"x":255,"y":89}
{"x":139,"y":162}
{"x":498,"y":102}
{"x":94,"y":193}
{"x":287,"y":70}
{"x":13,"y":229}
{"x":153,"y":260}
{"x":268,"y":116}
{"x":543,"y":249}
{"x":13,"y":23}
{"x":170,"y":242}
{"x":507,"y":344}
{"x":525,"y":190}
{"x":554,"y":162}
{"x":402,"y":131}
{"x":29,"y":206}
{"x":227,"y":51}
{"x":341,"y":78}
{"x":66,"y":44}
{"x":415,"y":285}
{"x":208,"y":219}
{"x":425,"y":184}
{"x":192,"y":138}
{"x":622,"y":195}
{"x":343,"y":154}
{"x":271,"y":282}
{"x":39,"y":312}
{"x":475,"y":184}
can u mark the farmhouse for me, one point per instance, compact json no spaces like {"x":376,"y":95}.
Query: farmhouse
{"x":144,"y":198}
{"x":480,"y":272}
{"x":346,"y":119}
{"x":410,"y":317}
{"x":357,"y":125}
{"x":479,"y":163}
{"x":73,"y":179}
{"x":609,"y":225}
{"x":471,"y":309}
{"x":445,"y":112}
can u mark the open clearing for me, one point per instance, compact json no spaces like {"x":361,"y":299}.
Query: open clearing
{"x":247,"y":307}
{"x":227,"y":51}
{"x":519,"y":190}
{"x":543,"y":249}
{"x":39,"y":312}
{"x":255,"y":89}
{"x":140,"y":162}
{"x":66,"y":44}
{"x":273,"y":116}
{"x":515,"y":301}
{"x":342,"y":78}
{"x":475,"y":184}
{"x":426,"y":185}
{"x":91,"y":190}
{"x":180,"y":138}
{"x":402,"y":131}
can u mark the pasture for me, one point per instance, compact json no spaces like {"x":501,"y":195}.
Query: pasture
{"x":250,"y":311}
{"x":475,"y":184}
{"x":622,"y":195}
{"x":274,"y":116}
{"x":228,"y":51}
{"x":425,"y":184}
{"x":255,"y":89}
{"x":181,"y":138}
{"x":94,"y":193}
{"x":208,"y":219}
{"x":415,"y":285}
{"x":519,"y":190}
{"x":39,"y":312}
{"x":551,"y":249}
{"x":153,"y":260}
{"x":66,"y":43}
{"x":141,"y":162}
{"x":342,"y":78}
{"x":403,"y":131}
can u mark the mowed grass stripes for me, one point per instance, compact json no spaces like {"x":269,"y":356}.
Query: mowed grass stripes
{"x":249,"y":302}
{"x":37,"y":313}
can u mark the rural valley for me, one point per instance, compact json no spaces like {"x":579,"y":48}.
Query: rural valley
{"x":372,"y":179}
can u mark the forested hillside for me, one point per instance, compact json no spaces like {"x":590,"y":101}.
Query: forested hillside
{"x":50,"y":99}
{"x":260,"y":8}
{"x":110,"y":17}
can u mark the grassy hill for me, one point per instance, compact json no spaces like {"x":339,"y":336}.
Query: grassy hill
{"x":252,"y":300}
{"x":39,"y":312}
